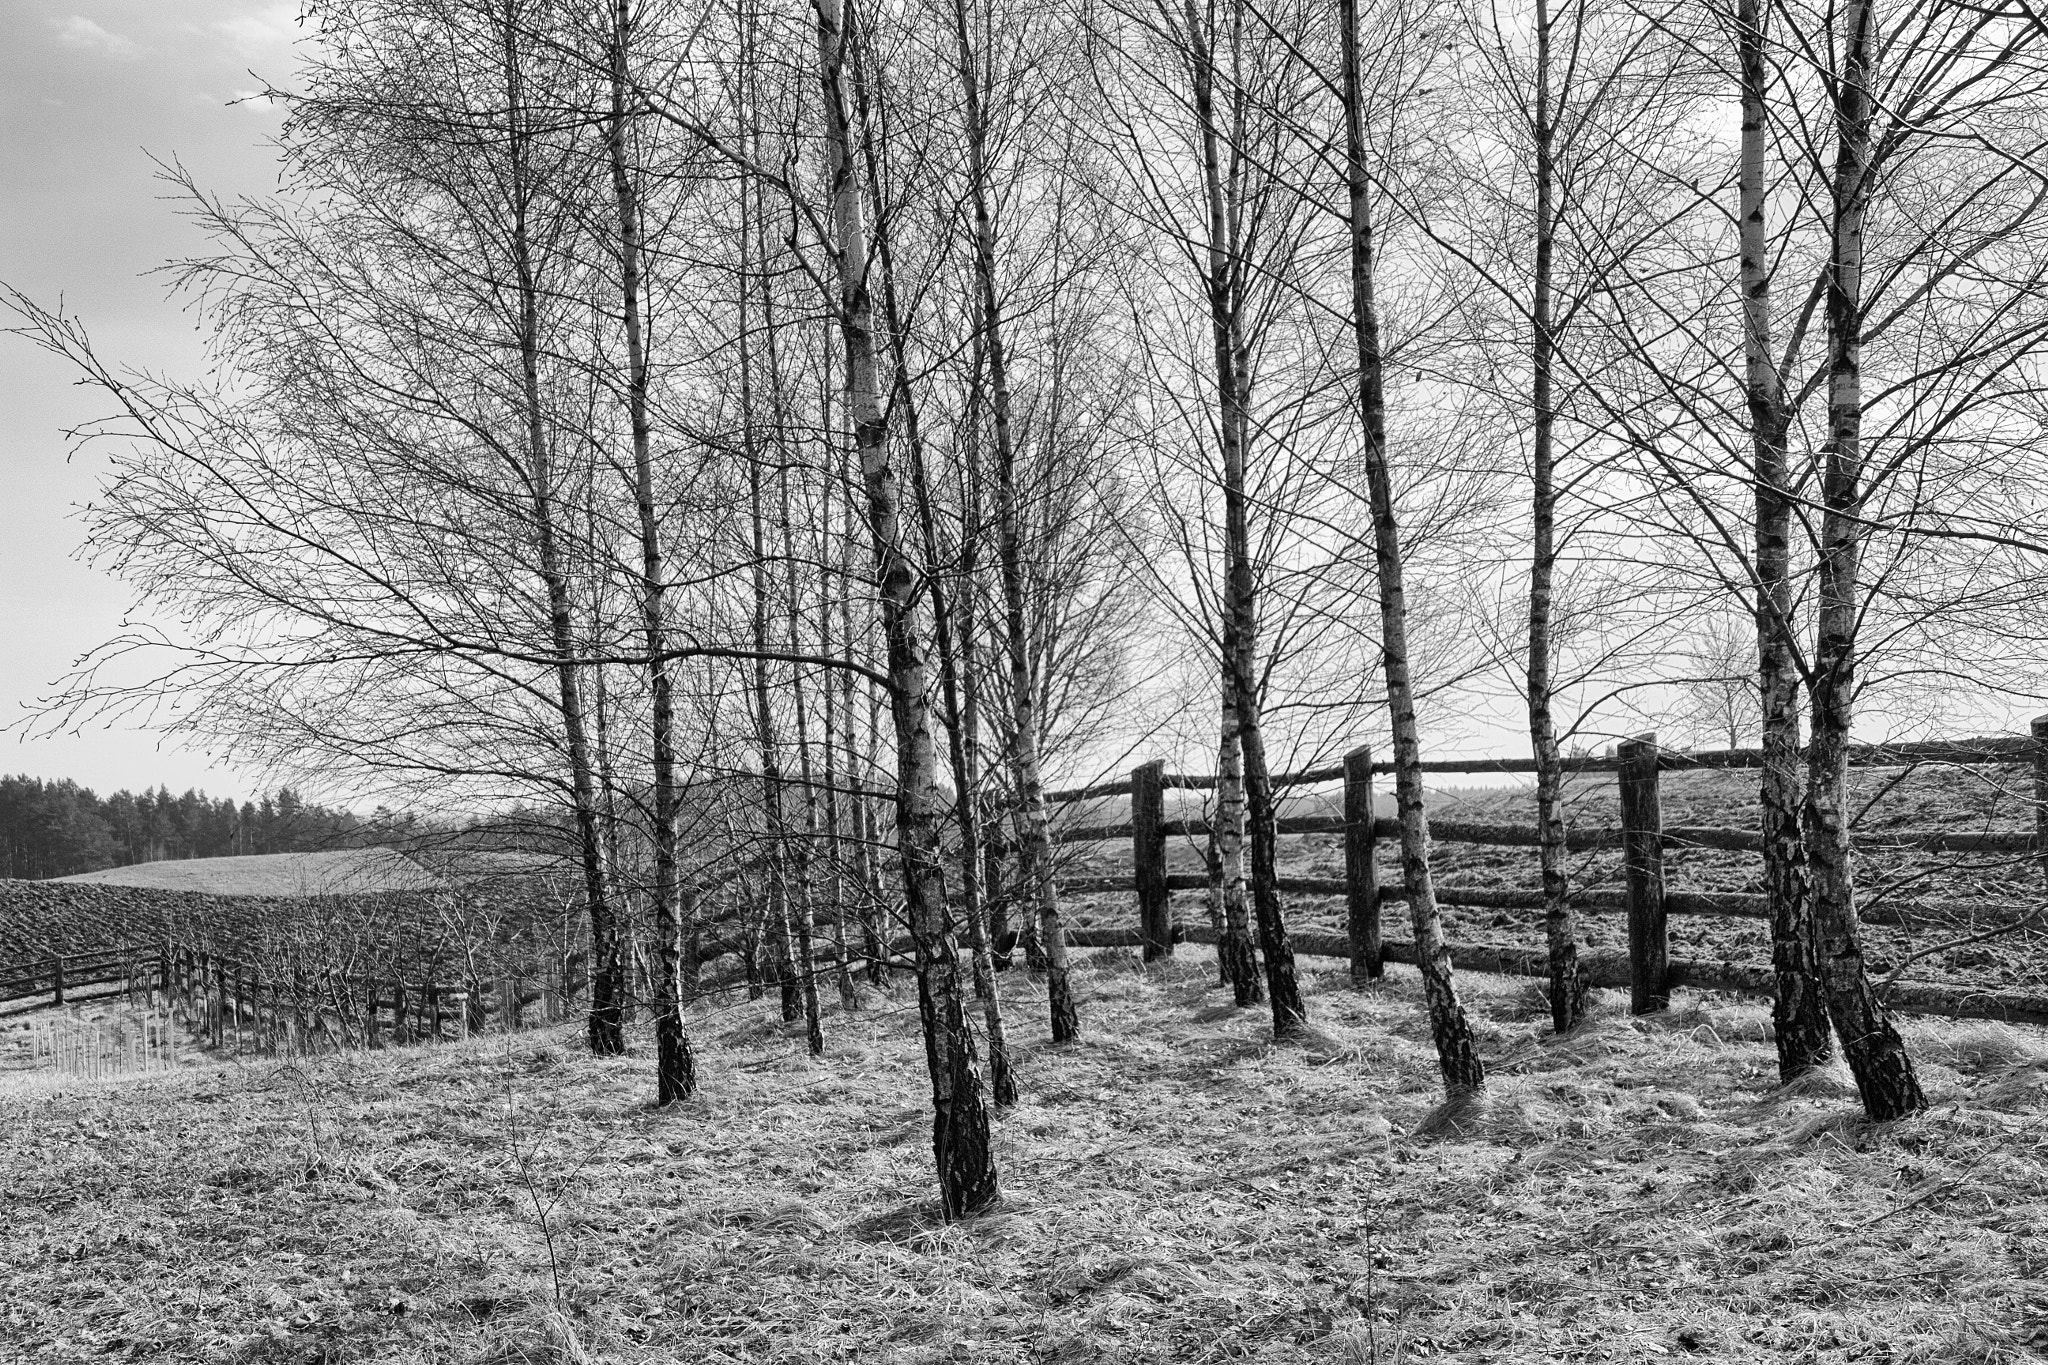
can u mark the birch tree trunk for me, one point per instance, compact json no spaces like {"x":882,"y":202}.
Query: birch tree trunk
{"x":1239,"y":961}
{"x":988,"y":817}
{"x":835,"y":841}
{"x":606,"y":1026}
{"x":1223,"y":277}
{"x":1034,"y":826}
{"x":1567,"y":985}
{"x":1872,"y":1046}
{"x":675,"y":1068}
{"x":610,"y":840}
{"x":1456,"y":1049}
{"x":778,"y":933}
{"x":859,"y":828}
{"x":803,"y":909}
{"x":962,"y":714}
{"x":960,"y":1128}
{"x":1799,"y":1014}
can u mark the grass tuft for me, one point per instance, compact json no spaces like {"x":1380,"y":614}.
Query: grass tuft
{"x":1177,"y":1188}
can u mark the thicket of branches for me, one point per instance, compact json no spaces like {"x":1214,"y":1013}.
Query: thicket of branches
{"x":777,"y":436}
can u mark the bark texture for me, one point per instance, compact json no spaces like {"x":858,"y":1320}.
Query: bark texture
{"x":1567,"y":983}
{"x":1238,"y":959}
{"x":1034,"y":826}
{"x":960,"y":1126}
{"x":1799,"y":1014}
{"x":1457,"y":1051}
{"x":1224,"y":280}
{"x":606,"y":1024}
{"x":675,"y":1066}
{"x":1871,"y":1045}
{"x":953,"y":633}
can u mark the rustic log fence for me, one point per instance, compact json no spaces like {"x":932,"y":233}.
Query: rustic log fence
{"x":94,"y":1050}
{"x":237,"y":1009}
{"x":64,"y":977}
{"x":234,"y":1008}
{"x":1647,"y":970}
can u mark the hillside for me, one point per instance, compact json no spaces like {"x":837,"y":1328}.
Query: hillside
{"x":347,"y":910}
{"x":352,"y":871}
{"x":1177,"y":1189}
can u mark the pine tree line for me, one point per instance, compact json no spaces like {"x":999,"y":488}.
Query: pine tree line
{"x":59,"y":828}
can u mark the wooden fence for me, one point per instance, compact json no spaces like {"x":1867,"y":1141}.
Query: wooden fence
{"x":235,"y":1008}
{"x":1647,"y":970}
{"x":95,"y":1050}
{"x":56,"y":976}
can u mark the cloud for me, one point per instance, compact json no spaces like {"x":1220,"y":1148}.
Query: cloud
{"x":82,"y":33}
{"x":262,"y":30}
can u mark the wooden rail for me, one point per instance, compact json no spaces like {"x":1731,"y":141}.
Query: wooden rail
{"x":1989,"y":749}
{"x":238,"y":1009}
{"x":54,"y":976}
{"x":1616,"y":970}
{"x":235,"y":1008}
{"x":1641,"y":837}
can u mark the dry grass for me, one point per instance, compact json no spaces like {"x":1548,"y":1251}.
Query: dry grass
{"x":349,"y":871}
{"x":1177,"y":1189}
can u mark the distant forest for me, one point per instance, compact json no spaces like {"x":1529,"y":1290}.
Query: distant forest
{"x":55,"y":829}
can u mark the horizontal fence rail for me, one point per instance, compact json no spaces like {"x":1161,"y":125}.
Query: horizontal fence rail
{"x":1641,"y":838}
{"x":1615,"y":970}
{"x":1583,"y":840}
{"x":55,"y":976}
{"x":1990,"y":749}
{"x":233,"y":1007}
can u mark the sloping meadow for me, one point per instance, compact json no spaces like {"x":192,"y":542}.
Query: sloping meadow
{"x":1177,"y":1189}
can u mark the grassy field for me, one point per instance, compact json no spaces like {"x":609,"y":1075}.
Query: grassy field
{"x":1177,"y":1189}
{"x":336,"y":872}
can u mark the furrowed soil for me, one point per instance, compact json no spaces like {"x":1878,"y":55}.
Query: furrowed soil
{"x":1177,"y":1188}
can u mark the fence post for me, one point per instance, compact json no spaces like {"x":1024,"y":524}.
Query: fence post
{"x":56,"y":981}
{"x":458,"y":1006}
{"x":1642,"y":843}
{"x":220,"y":1009}
{"x":1148,"y":858}
{"x":433,"y":1010}
{"x":2041,"y":791}
{"x":266,"y":1025}
{"x":1361,"y":871}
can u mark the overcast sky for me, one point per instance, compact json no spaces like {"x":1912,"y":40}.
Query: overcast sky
{"x":91,"y":90}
